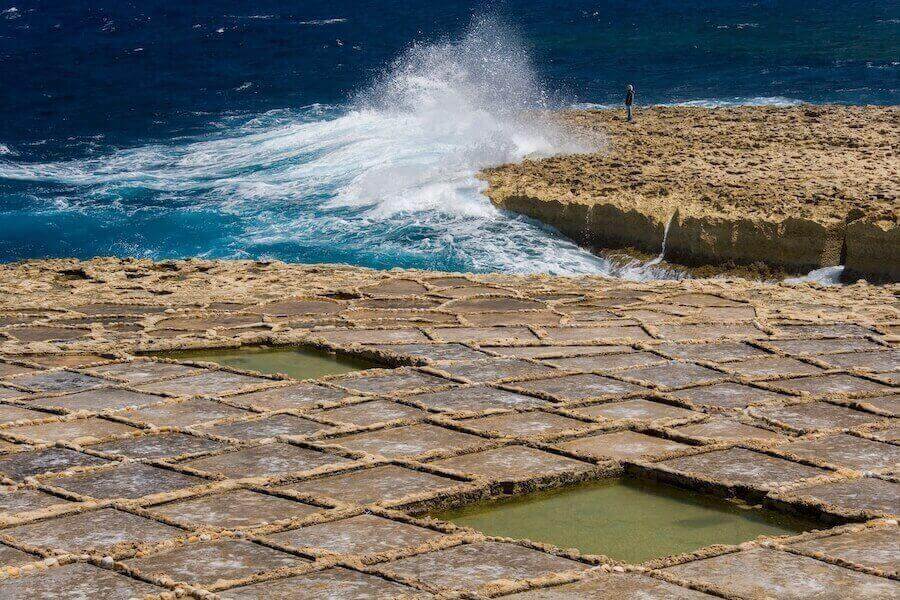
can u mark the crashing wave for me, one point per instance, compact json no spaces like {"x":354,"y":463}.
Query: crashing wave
{"x":389,"y":180}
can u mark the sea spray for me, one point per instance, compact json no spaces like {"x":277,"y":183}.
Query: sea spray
{"x":389,"y":180}
{"x":662,"y":251}
{"x":445,"y":111}
{"x":823,"y":276}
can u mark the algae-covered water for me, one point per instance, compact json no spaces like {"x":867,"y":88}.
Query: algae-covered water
{"x":627,"y":519}
{"x":298,"y":362}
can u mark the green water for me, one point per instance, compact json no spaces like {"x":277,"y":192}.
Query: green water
{"x":627,"y":519}
{"x":296,"y":361}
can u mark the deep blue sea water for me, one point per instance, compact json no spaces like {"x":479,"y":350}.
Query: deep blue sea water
{"x":350,"y":131}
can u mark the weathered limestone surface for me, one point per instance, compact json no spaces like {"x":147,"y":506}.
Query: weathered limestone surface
{"x":873,"y":246}
{"x":128,"y":475}
{"x":794,"y":188}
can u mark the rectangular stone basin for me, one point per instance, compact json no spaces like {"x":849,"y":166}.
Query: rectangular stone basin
{"x":300,"y":362}
{"x":632,"y":520}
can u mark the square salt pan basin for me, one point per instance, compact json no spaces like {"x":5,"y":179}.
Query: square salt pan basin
{"x":625,"y":519}
{"x":296,"y":361}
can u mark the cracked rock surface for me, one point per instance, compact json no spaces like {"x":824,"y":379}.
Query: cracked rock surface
{"x":792,"y":188}
{"x":128,"y":475}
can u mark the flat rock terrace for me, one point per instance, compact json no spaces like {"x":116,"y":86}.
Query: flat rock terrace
{"x":127,"y":475}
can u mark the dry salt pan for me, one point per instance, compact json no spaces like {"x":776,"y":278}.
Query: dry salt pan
{"x":268,"y":478}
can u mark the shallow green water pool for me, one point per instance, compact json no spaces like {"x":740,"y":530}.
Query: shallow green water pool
{"x":627,"y":519}
{"x":297,"y":361}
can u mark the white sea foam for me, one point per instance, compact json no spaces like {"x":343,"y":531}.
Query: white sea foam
{"x":706,"y":102}
{"x":823,"y":276}
{"x":662,"y":251}
{"x":739,"y":26}
{"x":251,"y":17}
{"x":738,"y":101}
{"x":442,"y":113}
{"x":392,"y":176}
{"x":322,"y":22}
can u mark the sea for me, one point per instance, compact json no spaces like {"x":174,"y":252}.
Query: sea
{"x":352,"y":131}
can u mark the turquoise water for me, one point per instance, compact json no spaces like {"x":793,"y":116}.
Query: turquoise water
{"x":348,"y":131}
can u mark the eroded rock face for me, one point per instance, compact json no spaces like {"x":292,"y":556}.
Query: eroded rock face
{"x":873,"y":247}
{"x":794,"y":188}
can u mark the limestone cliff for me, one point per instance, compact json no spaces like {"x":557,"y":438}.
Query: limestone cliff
{"x":796,"y":188}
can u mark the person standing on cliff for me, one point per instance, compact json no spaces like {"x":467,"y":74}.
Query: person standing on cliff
{"x":629,"y":100}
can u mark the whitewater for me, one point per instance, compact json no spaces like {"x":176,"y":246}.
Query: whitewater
{"x":387,"y":180}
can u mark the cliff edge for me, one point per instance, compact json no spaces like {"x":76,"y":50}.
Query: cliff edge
{"x":794,"y":188}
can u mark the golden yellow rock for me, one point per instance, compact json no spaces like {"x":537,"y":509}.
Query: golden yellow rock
{"x":796,"y":188}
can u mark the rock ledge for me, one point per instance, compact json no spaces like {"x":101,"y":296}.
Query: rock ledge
{"x":795,"y":188}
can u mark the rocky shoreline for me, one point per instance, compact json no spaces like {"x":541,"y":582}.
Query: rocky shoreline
{"x":795,"y":188}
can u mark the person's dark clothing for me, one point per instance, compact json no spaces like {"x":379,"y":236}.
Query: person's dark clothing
{"x":629,"y":98}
